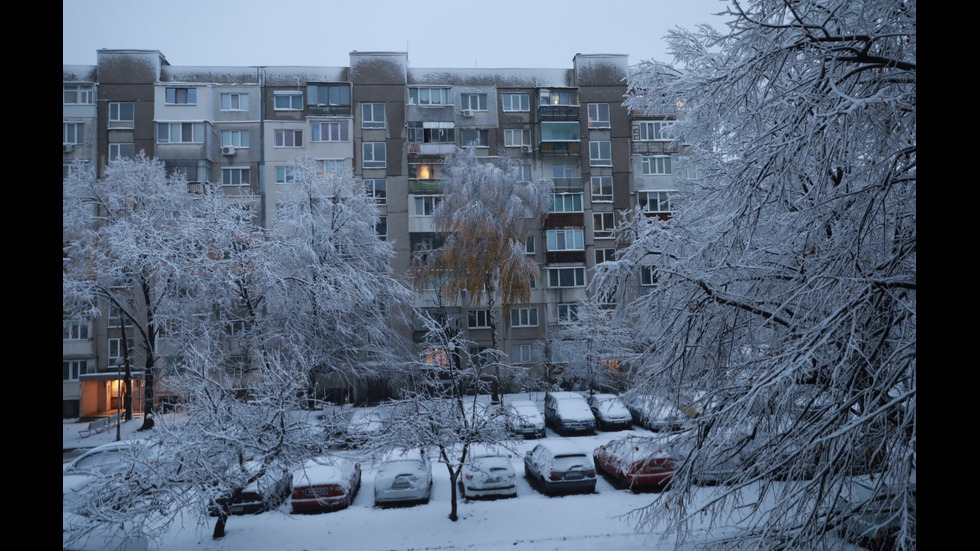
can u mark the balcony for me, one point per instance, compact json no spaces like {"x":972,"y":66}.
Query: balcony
{"x":328,"y":110}
{"x":568,"y":184}
{"x":560,"y":149}
{"x":559,"y":112}
{"x":431,"y":148}
{"x":424,"y":187}
{"x":555,"y":257}
{"x":564,"y":220}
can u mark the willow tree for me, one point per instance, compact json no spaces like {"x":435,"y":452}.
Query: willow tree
{"x":486,"y":214}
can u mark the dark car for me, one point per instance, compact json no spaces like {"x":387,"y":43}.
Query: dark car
{"x":560,"y":467}
{"x":636,"y":462}
{"x":325,"y":484}
{"x":657,"y":413}
{"x":265,"y":493}
{"x":568,"y":413}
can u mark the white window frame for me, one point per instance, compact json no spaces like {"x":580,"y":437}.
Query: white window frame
{"x":656,"y":165}
{"x":598,"y":115}
{"x":416,"y":93}
{"x":233,"y":101}
{"x":603,"y":224}
{"x":523,"y":102}
{"x":330,"y":131}
{"x":526,"y":173}
{"x":562,"y":199}
{"x":428,"y":204}
{"x":600,"y":153}
{"x":374,"y":155}
{"x":524,"y":317}
{"x":530,"y":244}
{"x":243,"y":176}
{"x":568,"y":312}
{"x":478,"y":319}
{"x":114,"y":353}
{"x":382,"y":228}
{"x":284,"y":175}
{"x":341,"y":99}
{"x":279,"y":138}
{"x":555,"y":277}
{"x":648,"y":276}
{"x":516,"y":137}
{"x":605,"y":187}
{"x":521,"y":354}
{"x":473,"y":102}
{"x":482,"y":135}
{"x":122,"y":150}
{"x":173,"y":95}
{"x":76,"y":330}
{"x":116,"y":111}
{"x":377,"y":189}
{"x":333,"y":168}
{"x":604,"y":255}
{"x":235,"y":138}
{"x":196,"y":131}
{"x":75,"y":368}
{"x":654,"y":131}
{"x":662,"y":199}
{"x":78,"y":94}
{"x":76,"y":135}
{"x":566,"y":240}
{"x":373,"y":115}
{"x":295,"y":101}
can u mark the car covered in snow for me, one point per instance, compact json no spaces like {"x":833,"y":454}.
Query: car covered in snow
{"x":568,"y":413}
{"x":404,"y":477}
{"x":636,"y":462}
{"x":487,"y":472}
{"x":560,"y":467}
{"x":525,"y":419}
{"x":610,"y":412}
{"x":324,"y":484}
{"x":266,"y":486}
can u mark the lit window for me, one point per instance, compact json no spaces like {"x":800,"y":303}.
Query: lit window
{"x":234,"y":102}
{"x":289,"y":138}
{"x":372,"y":115}
{"x":655,"y":165}
{"x":598,"y":115}
{"x":602,"y":189}
{"x":524,"y":317}
{"x":558,"y":97}
{"x":181,"y":96}
{"x":515,"y":102}
{"x":235,"y":176}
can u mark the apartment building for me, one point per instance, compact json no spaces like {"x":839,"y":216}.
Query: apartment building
{"x":393,"y":125}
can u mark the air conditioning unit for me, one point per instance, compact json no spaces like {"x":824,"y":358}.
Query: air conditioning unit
{"x":227,"y":150}
{"x":467,"y":112}
{"x":526,"y":149}
{"x":66,"y":147}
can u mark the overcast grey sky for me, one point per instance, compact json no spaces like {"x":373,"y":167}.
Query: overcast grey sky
{"x":496,"y":34}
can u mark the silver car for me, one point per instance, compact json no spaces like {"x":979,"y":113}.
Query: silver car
{"x":560,"y":467}
{"x":404,"y":477}
{"x":488,"y":472}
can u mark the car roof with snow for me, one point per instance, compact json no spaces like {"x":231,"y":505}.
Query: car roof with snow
{"x":324,"y":470}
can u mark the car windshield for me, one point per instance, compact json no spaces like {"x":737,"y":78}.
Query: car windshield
{"x":569,"y":462}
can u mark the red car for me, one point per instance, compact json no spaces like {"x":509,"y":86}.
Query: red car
{"x":635,"y":462}
{"x":325,"y":484}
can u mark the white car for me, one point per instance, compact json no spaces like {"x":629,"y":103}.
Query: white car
{"x":404,"y":477}
{"x":610,"y":412}
{"x":114,"y":457}
{"x":568,"y":413}
{"x":488,"y":472}
{"x":525,"y":419}
{"x":560,"y":467}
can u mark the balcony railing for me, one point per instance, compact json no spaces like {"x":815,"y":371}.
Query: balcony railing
{"x":568,"y":184}
{"x":424,"y":187}
{"x":333,"y":110}
{"x":559,"y":112}
{"x":560,"y":149}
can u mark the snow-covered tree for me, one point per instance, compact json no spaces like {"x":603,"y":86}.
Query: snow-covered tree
{"x":486,"y":214}
{"x":786,"y":299}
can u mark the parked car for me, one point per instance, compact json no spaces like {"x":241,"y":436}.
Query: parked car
{"x":114,"y":457}
{"x":568,"y":413}
{"x":325,"y":483}
{"x":560,"y":467}
{"x":525,"y":419}
{"x":488,"y":472}
{"x":365,"y":423}
{"x":873,"y":510}
{"x":728,"y":458}
{"x":404,"y":477}
{"x":78,"y":532}
{"x":610,"y":412}
{"x":265,"y":493}
{"x":656,"y":413}
{"x":636,"y":462}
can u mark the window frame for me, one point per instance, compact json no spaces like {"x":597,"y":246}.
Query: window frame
{"x":602,"y":185}
{"x":663,"y":199}
{"x":571,"y":312}
{"x":379,"y":199}
{"x":478,"y":318}
{"x":242,"y":98}
{"x":284,"y":174}
{"x":77,"y":132}
{"x":172,"y":95}
{"x":648,"y":276}
{"x":336,"y":131}
{"x":118,"y":146}
{"x":445,"y":96}
{"x":232,"y":141}
{"x":521,"y":354}
{"x":116,"y":108}
{"x":243,"y":172}
{"x":482,"y":134}
{"x":656,"y":165}
{"x":428,"y":203}
{"x":597,"y":150}
{"x":523,"y":133}
{"x":292,"y":97}
{"x":552,"y":203}
{"x":195,"y":127}
{"x":507,"y":101}
{"x":371,"y":120}
{"x":524,"y":317}
{"x":575,"y":235}
{"x":554,"y":281}
{"x":653,"y":131}
{"x":468,"y":99}
{"x":371,"y":160}
{"x":76,"y":330}
{"x":83,"y":92}
{"x":382,"y":228}
{"x":73,"y":369}
{"x":328,"y":89}
{"x":595,"y":115}
{"x":606,"y":228}
{"x":605,"y":254}
{"x":280,"y":141}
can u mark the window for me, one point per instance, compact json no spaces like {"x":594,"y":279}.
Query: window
{"x":566,"y":240}
{"x":655,"y":131}
{"x":235,"y":176}
{"x":430,"y":96}
{"x":121,"y":151}
{"x":566,"y":202}
{"x":479,"y":138}
{"x":234,"y":102}
{"x":648,"y":276}
{"x":564,"y":131}
{"x":558,"y":97}
{"x":478,"y":319}
{"x":567,"y":313}
{"x":333,"y":168}
{"x":377,"y":188}
{"x":654,"y":201}
{"x":602,"y":189}
{"x":237,"y":138}
{"x":515,"y":102}
{"x":529,"y":245}
{"x":566,"y":277}
{"x":115,"y":317}
{"x":121,"y":111}
{"x":382,"y":228}
{"x":331,"y":131}
{"x":655,"y":165}
{"x":284,"y":175}
{"x":181,"y":96}
{"x":180,"y":132}
{"x":374,"y":154}
{"x":475,"y":102}
{"x":289,"y":138}
{"x":563,"y":171}
{"x":288,"y":101}
{"x":598,"y":115}
{"x":604,"y":255}
{"x":79,"y":94}
{"x":75,"y":330}
{"x":328,"y":94}
{"x":426,"y":204}
{"x":71,"y":369}
{"x":74,"y":132}
{"x":115,"y":351}
{"x":600,"y":153}
{"x":514,"y":137}
{"x":372,"y":115}
{"x":524,"y":317}
{"x":434,"y":132}
{"x":603,"y":223}
{"x":479,"y":355}
{"x":525,"y":173}
{"x":520,"y":353}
